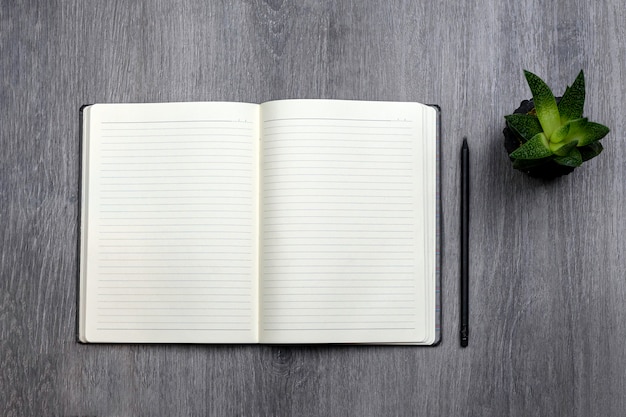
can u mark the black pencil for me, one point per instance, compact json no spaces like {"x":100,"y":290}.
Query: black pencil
{"x":465,"y":196}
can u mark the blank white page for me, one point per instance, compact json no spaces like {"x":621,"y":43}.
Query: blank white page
{"x":169,"y":224}
{"x":345,"y":223}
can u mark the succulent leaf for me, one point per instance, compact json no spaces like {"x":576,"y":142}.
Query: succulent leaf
{"x":545,"y":103}
{"x":560,"y":134}
{"x":571,"y":104}
{"x":537,"y":147}
{"x":525,"y":125}
{"x":563,"y":149}
{"x":576,"y":126}
{"x":590,"y":151}
{"x":524,"y":164}
{"x":573,"y":159}
{"x":591,"y":132}
{"x":573,"y":130}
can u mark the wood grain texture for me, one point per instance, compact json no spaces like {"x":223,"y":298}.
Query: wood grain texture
{"x":548,"y":322}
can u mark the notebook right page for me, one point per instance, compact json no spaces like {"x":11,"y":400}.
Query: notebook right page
{"x":347,"y":216}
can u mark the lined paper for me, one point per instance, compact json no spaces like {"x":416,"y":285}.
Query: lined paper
{"x":344,"y":223}
{"x":171,"y":223}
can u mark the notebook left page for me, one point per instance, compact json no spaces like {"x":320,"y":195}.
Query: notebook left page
{"x":169,"y":223}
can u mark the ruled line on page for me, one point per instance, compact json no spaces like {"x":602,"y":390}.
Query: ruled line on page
{"x":177,"y":128}
{"x":126,"y":144}
{"x":361,"y":125}
{"x":342,"y":119}
{"x":340,"y":133}
{"x":171,"y":329}
{"x":137,"y":122}
{"x":176,"y":135}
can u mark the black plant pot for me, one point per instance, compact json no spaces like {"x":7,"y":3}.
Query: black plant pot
{"x":547,"y":169}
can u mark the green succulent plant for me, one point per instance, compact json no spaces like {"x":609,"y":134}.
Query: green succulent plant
{"x":554,"y":132}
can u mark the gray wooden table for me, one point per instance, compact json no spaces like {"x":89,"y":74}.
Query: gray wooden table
{"x":548,"y":290}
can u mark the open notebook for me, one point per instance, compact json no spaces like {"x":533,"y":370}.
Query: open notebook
{"x":293,"y":221}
